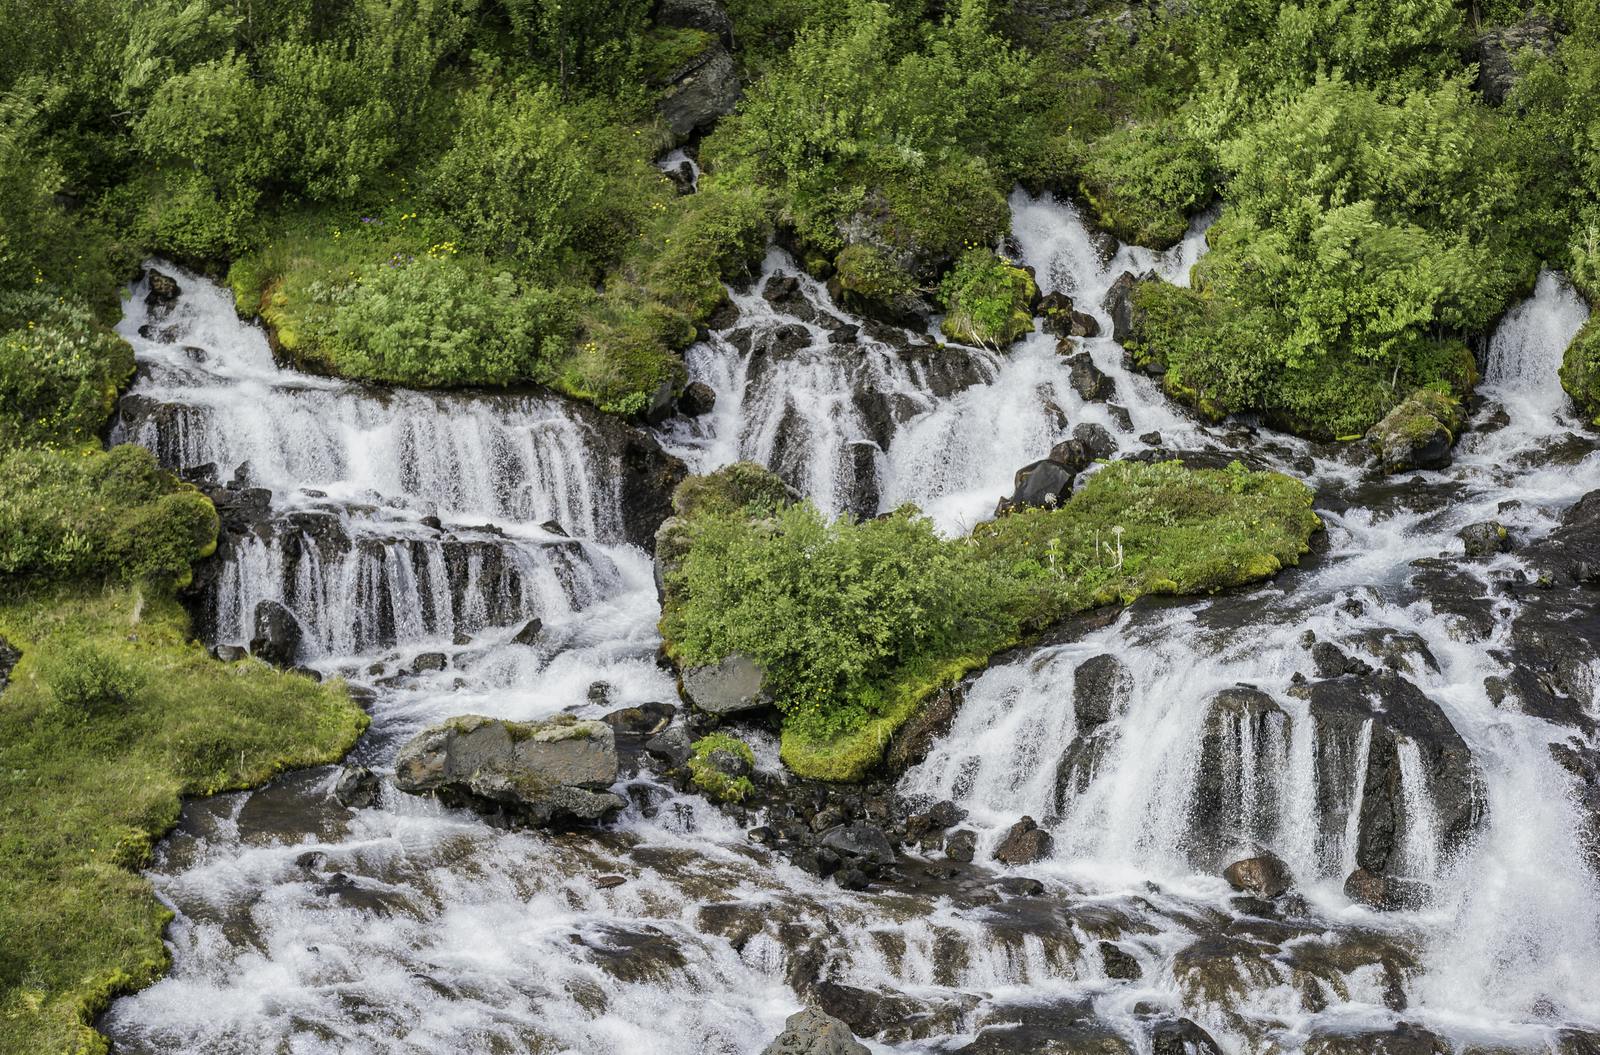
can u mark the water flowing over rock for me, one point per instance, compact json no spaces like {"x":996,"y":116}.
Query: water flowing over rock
{"x":1152,"y":746}
{"x":541,"y":773}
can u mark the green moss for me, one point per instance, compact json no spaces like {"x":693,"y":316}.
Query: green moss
{"x":112,"y":715}
{"x":856,"y":625}
{"x":713,"y":781}
{"x":988,"y":301}
{"x":1420,"y":417}
{"x":872,"y":273}
{"x":1580,"y":370}
{"x":665,"y":50}
{"x":1143,"y":183}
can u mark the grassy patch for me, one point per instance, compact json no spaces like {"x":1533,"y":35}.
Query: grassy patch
{"x":111,"y":715}
{"x":855,"y":624}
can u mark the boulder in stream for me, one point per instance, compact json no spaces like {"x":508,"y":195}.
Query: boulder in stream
{"x":539,"y":773}
{"x":1418,"y":433}
{"x":1088,"y":380}
{"x":1042,"y":484}
{"x":276,"y":636}
{"x":1024,"y":843}
{"x":732,"y":686}
{"x":1484,"y":539}
{"x":811,"y":1032}
{"x":1264,"y":875}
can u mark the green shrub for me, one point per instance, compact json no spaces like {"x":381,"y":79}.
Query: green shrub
{"x":432,"y":321}
{"x":988,"y":301}
{"x":1580,"y":370}
{"x":98,"y":514}
{"x":87,"y":681}
{"x":709,"y":778}
{"x":60,"y":371}
{"x":855,"y":624}
{"x":1143,"y":183}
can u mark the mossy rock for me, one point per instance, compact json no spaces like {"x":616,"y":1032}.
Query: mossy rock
{"x":989,"y":301}
{"x":1419,"y":432}
{"x":721,"y":765}
{"x":1580,"y":371}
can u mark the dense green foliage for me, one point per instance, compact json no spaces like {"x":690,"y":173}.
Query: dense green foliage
{"x":854,"y":623}
{"x":112,"y":714}
{"x":988,"y":301}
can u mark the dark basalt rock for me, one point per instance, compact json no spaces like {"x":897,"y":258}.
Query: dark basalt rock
{"x":162,"y":295}
{"x":1100,"y":688}
{"x":530,"y":632}
{"x":961,"y":845}
{"x":1043,"y":484}
{"x":1119,"y":964}
{"x":1496,"y":53}
{"x":1126,"y":318}
{"x":649,"y":476}
{"x":673,"y":746}
{"x":703,"y":90}
{"x":428,"y":661}
{"x":888,"y":1016}
{"x":8,"y":662}
{"x":860,"y":840}
{"x":698,"y":399}
{"x":1024,"y":843}
{"x":1484,"y":539}
{"x":1386,"y":893}
{"x":1332,"y":662}
{"x":1182,"y":1037}
{"x":1235,"y":717}
{"x":1046,"y":1029}
{"x":1399,"y":712}
{"x":276,"y":635}
{"x":1088,"y":380}
{"x":1404,"y":1039}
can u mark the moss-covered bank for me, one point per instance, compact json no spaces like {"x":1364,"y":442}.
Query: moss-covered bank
{"x":856,"y":624}
{"x":111,"y":716}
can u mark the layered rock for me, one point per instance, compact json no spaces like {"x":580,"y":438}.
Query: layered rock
{"x":541,"y":773}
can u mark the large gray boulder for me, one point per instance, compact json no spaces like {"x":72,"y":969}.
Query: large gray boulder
{"x":538,"y":773}
{"x":732,"y":686}
{"x":810,"y":1032}
{"x":705,"y":89}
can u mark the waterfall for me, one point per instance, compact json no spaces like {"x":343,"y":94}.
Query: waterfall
{"x":1155,"y":748}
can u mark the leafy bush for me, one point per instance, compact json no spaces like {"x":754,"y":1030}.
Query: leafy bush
{"x":988,"y":301}
{"x":431,"y":321}
{"x":1145,"y":182}
{"x":830,"y":610}
{"x":854,"y":624}
{"x":60,"y":371}
{"x":101,"y":514}
{"x":87,"y":681}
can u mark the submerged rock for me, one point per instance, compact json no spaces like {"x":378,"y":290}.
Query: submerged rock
{"x":812,"y":1032}
{"x":1385,"y":893}
{"x":1182,"y":1037}
{"x":539,"y":773}
{"x":732,"y":686}
{"x":357,"y":787}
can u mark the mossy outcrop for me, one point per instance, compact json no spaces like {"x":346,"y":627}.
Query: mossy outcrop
{"x":1419,"y":432}
{"x":1580,"y":371}
{"x":989,"y":301}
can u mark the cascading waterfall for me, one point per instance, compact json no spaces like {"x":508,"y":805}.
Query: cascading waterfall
{"x":1154,"y":749}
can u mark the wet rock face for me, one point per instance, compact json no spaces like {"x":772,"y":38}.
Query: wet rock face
{"x":357,"y":787}
{"x":1126,"y":318}
{"x":1264,"y":875}
{"x":1235,"y":718}
{"x":1182,"y":1037}
{"x":735,"y":685}
{"x":698,"y":399}
{"x":1485,"y":539}
{"x":1100,"y":687}
{"x":1496,"y":54}
{"x":703,"y":90}
{"x":1088,"y":380}
{"x":275,"y":635}
{"x":539,"y":773}
{"x":163,"y":293}
{"x":1047,"y":1029}
{"x":649,"y":476}
{"x":1404,"y":1039}
{"x":1402,"y":718}
{"x":1385,"y":893}
{"x":811,"y":1032}
{"x":1024,"y":843}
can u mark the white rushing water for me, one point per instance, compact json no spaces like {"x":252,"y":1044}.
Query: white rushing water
{"x":1155,"y":749}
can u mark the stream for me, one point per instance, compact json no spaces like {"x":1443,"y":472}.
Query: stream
{"x":1155,"y":747}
